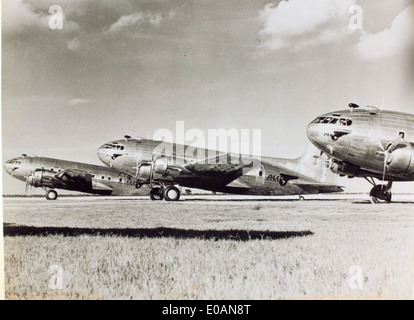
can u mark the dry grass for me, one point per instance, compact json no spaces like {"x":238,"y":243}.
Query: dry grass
{"x":379,"y":239}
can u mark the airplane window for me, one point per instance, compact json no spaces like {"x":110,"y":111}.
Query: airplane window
{"x":319,"y":120}
{"x":327,"y":120}
{"x":334,"y":120}
{"x":109,"y":178}
{"x":122,"y":147}
{"x":120,"y":179}
{"x":345,"y":122}
{"x":93,"y":176}
{"x":103,"y":177}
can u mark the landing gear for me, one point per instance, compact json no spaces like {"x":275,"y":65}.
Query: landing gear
{"x":380,"y":193}
{"x":170,"y":193}
{"x":156,"y":194}
{"x":51,"y":195}
{"x":301,"y":198}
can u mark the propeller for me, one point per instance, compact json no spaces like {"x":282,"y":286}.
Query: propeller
{"x":387,"y":152}
{"x":28,"y":187}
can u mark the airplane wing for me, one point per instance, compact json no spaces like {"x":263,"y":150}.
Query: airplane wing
{"x":78,"y":178}
{"x":320,"y":187}
{"x":224,"y":168}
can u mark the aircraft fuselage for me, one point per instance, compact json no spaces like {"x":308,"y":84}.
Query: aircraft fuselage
{"x":49,"y":173}
{"x":360,"y":138}
{"x":169,"y":163}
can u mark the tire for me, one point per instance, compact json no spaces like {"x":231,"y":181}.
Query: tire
{"x":51,"y":195}
{"x":301,"y":198}
{"x":171,"y":193}
{"x":379,"y":195}
{"x":156,"y":194}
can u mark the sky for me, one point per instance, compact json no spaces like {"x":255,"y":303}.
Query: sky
{"x":134,"y":67}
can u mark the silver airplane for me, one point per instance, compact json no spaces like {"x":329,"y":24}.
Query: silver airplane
{"x":368,"y":143}
{"x":164,"y":166}
{"x":50,"y":174}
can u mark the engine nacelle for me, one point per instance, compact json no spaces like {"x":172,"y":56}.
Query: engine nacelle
{"x":144,"y":172}
{"x":401,"y":160}
{"x":344,"y":168}
{"x":41,"y":178}
{"x":161,"y":165}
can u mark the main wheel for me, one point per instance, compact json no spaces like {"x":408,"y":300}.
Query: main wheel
{"x":156,"y":194}
{"x":51,"y":195}
{"x":380,"y":194}
{"x":171,"y":193}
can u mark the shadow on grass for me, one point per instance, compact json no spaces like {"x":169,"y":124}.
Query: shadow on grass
{"x":235,"y":235}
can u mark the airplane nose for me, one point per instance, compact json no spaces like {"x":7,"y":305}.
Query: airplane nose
{"x":316,"y":135}
{"x":103,"y":155}
{"x":7,"y":168}
{"x":312,"y":132}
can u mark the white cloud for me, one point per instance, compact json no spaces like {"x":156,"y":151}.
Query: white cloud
{"x":285,"y":24}
{"x":77,"y":101}
{"x":126,"y":21}
{"x":19,"y":15}
{"x":399,"y":37}
{"x":74,"y":44}
{"x":138,"y":19}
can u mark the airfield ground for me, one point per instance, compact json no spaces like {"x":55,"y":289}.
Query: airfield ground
{"x":206,"y":247}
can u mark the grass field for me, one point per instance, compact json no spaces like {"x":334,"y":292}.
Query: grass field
{"x":126,"y":248}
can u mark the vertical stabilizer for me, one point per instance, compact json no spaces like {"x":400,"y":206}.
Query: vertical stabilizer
{"x":314,"y":164}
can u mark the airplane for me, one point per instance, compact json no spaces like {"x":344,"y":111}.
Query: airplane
{"x":368,"y":143}
{"x":50,"y":174}
{"x":162,"y":166}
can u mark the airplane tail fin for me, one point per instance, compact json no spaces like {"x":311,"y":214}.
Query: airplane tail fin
{"x":313,"y":164}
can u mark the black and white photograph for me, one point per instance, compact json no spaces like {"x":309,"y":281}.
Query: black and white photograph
{"x":207,"y":150}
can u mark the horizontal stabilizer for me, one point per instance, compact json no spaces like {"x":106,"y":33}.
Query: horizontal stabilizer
{"x":238,"y":184}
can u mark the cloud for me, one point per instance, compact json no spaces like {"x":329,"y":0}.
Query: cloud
{"x":77,"y":101}
{"x":19,"y":16}
{"x":398,"y":38}
{"x":74,"y":44}
{"x":138,"y":19}
{"x":285,"y":25}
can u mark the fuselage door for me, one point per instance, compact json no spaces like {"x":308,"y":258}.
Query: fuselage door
{"x":260,"y":175}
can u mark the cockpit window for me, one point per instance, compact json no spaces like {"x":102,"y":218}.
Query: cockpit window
{"x":113,"y":146}
{"x":14,"y":161}
{"x":334,"y":120}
